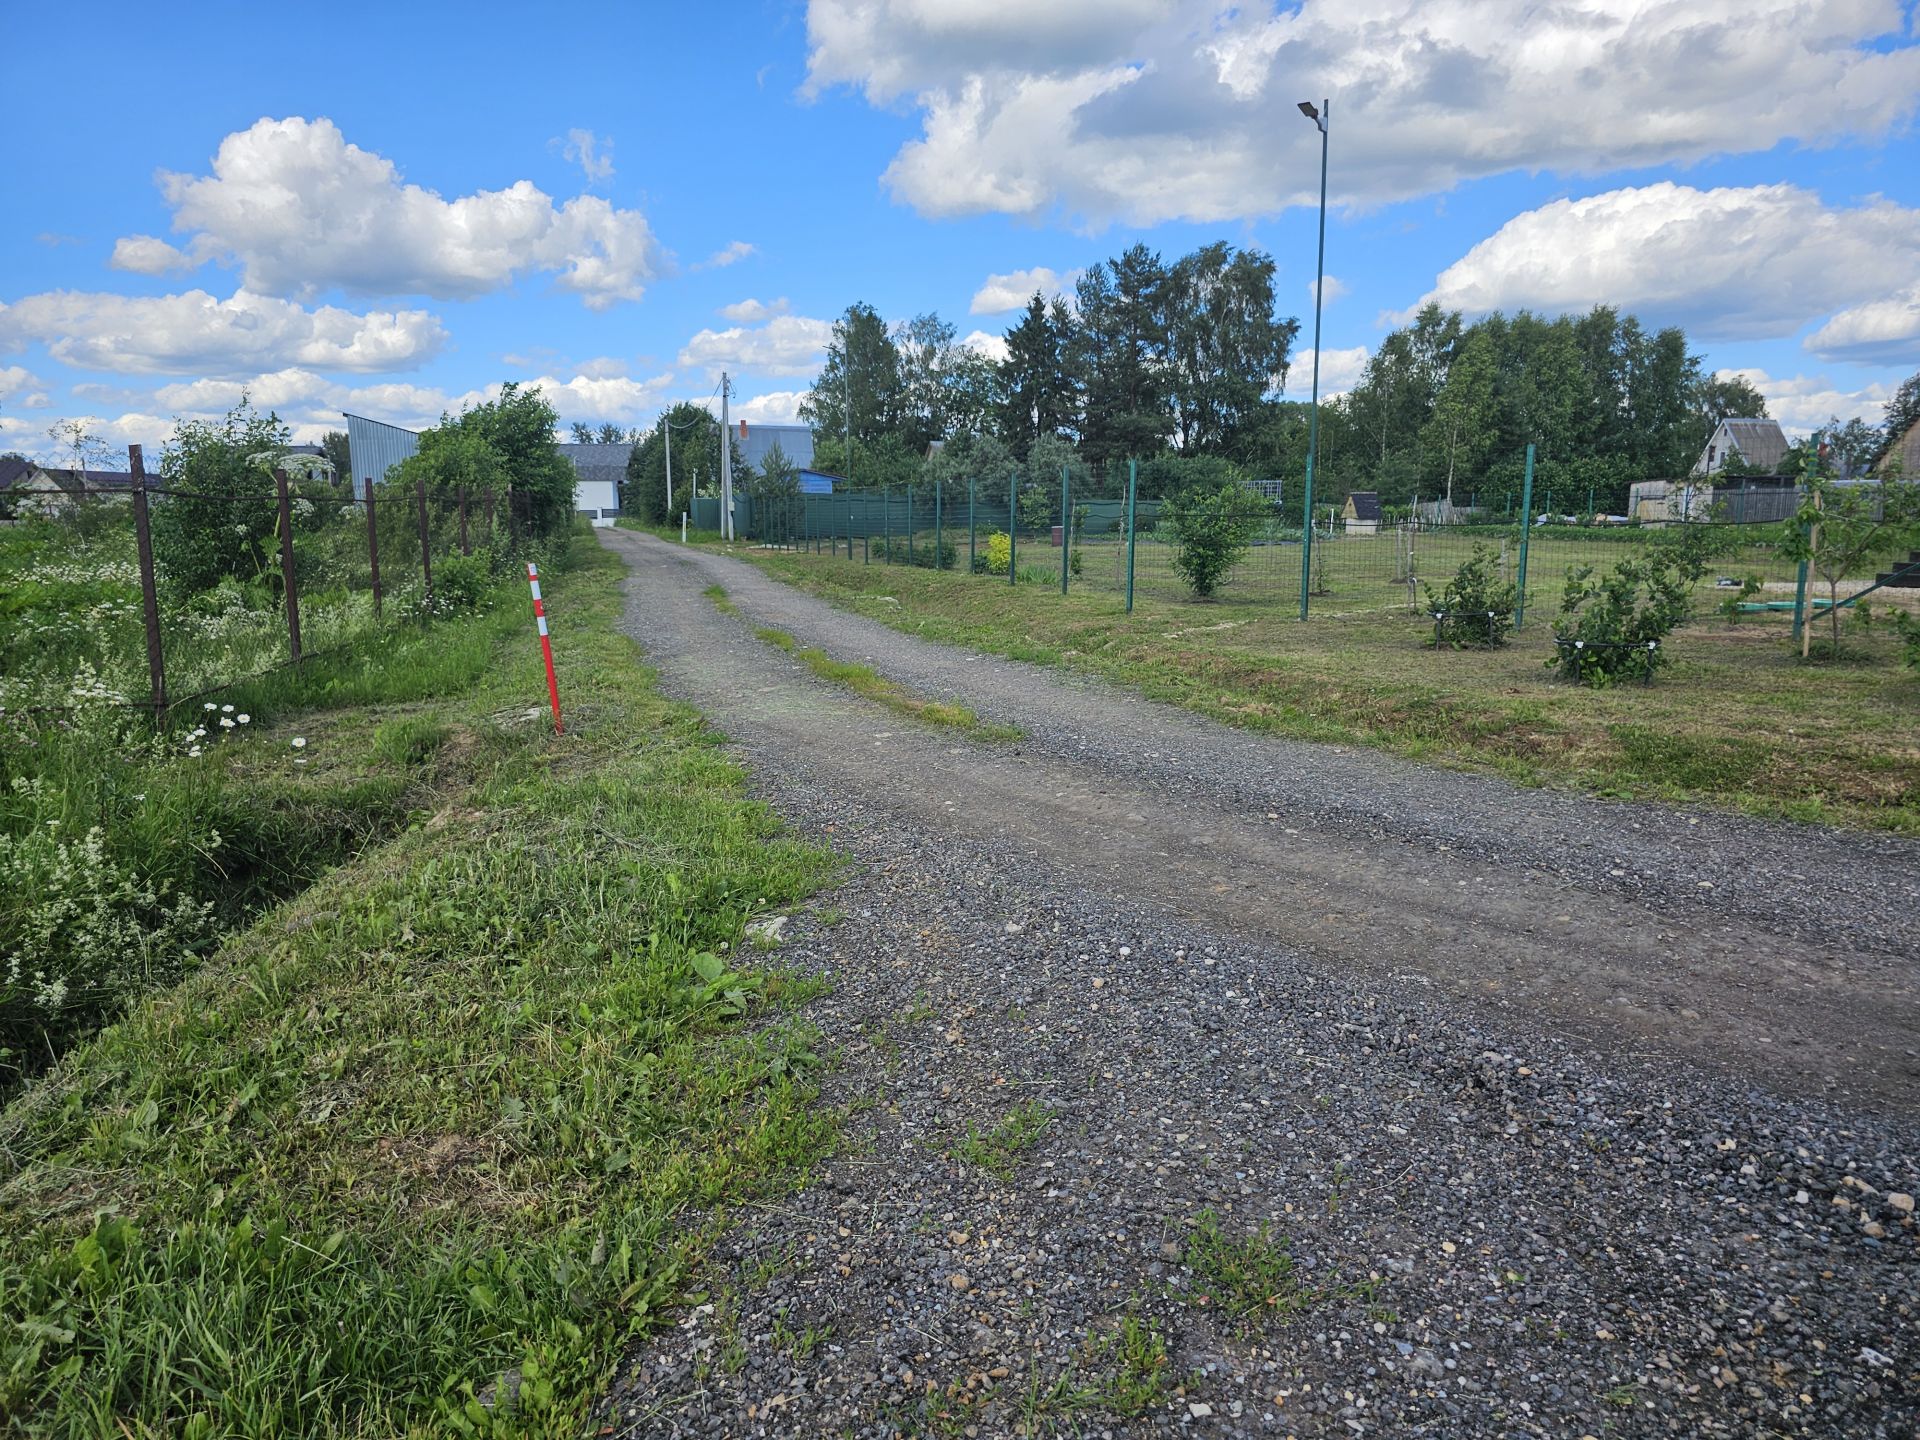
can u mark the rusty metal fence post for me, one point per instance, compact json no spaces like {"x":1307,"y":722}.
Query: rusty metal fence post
{"x":426,"y":548}
{"x":373,"y":547}
{"x":288,"y":584}
{"x":149,"y":595}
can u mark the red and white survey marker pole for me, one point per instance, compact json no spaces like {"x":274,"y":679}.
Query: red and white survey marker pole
{"x":546,"y":645}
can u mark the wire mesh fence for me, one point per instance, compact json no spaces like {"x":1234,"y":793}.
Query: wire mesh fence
{"x":152,"y":596}
{"x":1356,"y":560}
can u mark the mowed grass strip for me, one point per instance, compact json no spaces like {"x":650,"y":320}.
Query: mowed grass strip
{"x":1737,"y":720}
{"x":870,"y":684}
{"x":419,"y":1152}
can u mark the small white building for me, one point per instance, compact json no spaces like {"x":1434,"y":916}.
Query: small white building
{"x":599,"y":471}
{"x":1362,"y":513}
{"x":1759,"y":444}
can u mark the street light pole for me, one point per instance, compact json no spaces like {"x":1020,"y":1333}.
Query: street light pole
{"x":1319,"y":118}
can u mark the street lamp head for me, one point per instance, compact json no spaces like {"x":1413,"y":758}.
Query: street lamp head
{"x":1310,"y":110}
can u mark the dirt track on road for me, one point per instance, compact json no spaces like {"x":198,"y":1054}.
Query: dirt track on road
{"x":1778,"y":955}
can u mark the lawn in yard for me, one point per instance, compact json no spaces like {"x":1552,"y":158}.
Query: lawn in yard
{"x":1735,"y":719}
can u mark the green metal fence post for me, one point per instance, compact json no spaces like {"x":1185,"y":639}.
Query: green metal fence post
{"x":1066,"y":529}
{"x":886,"y":520}
{"x":909,"y":524}
{"x":939,"y":527}
{"x":970,"y":530}
{"x":1013,"y":527}
{"x":1526,"y":533}
{"x":1306,"y":530}
{"x":1133,"y":475}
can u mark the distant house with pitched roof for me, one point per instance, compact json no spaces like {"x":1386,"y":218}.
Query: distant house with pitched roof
{"x":1362,"y":513}
{"x":599,"y":471}
{"x":1760,"y":445}
{"x":1902,"y":457}
{"x":29,"y":487}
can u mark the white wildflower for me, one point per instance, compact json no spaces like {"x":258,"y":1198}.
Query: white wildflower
{"x":226,"y":709}
{"x":243,"y":718}
{"x":226,"y":722}
{"x":299,"y":742}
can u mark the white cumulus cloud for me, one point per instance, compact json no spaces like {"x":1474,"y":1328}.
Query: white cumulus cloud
{"x":1803,"y":403}
{"x":1334,"y":288}
{"x":776,"y":407}
{"x":593,"y":155}
{"x":197,"y":332}
{"x":1886,"y":331}
{"x":20,"y":386}
{"x":785,"y":345}
{"x":301,"y":210}
{"x":1732,"y":263}
{"x":1340,"y":371}
{"x":1011,"y":291}
{"x":752,"y":312}
{"x":994,"y":347}
{"x":1151,"y":110}
{"x":731,"y":253}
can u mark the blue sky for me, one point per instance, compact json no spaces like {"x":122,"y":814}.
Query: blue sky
{"x":389,"y":209}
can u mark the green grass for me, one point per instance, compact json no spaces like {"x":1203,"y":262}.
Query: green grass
{"x":870,"y":684}
{"x":1737,"y":720}
{"x":718,"y":595}
{"x":998,"y":1150}
{"x":418,"y":1152}
{"x":1250,"y":1278}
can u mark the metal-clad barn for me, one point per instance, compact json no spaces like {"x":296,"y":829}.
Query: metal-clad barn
{"x":795,"y":441}
{"x":375,"y":447}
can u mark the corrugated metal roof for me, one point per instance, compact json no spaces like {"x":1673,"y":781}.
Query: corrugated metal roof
{"x":1762,"y":442}
{"x":375,"y":447}
{"x":598,"y":462}
{"x":796,"y":442}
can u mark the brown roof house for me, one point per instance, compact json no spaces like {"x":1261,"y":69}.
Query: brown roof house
{"x":1902,"y":457}
{"x":1760,"y":445}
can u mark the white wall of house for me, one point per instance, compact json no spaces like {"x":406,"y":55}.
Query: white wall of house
{"x":601,"y":497}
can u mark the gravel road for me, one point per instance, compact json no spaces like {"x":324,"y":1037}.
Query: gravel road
{"x":1572,"y":1117}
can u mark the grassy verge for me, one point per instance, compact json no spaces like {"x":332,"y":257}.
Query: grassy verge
{"x":418,"y":1151}
{"x":870,"y":684}
{"x":1737,"y":720}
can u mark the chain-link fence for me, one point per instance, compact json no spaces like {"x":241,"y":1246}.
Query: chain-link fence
{"x":1359,"y":558}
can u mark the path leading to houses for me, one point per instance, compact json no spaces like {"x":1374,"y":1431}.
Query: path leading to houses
{"x":1582,"y":1085}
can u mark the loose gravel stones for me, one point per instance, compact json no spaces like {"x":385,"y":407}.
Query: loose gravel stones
{"x":1453,"y":1218}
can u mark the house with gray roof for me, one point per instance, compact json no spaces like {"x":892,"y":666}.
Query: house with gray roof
{"x":1760,"y":445}
{"x":599,"y":472}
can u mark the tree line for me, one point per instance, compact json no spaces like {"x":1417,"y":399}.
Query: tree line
{"x":1189,"y":368}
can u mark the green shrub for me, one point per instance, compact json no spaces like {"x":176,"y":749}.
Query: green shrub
{"x":921,"y":552}
{"x":1476,"y":608}
{"x":1907,"y":627}
{"x":464,"y":583}
{"x":1212,"y":530}
{"x":1614,"y":625}
{"x":999,"y":556}
{"x":81,"y":934}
